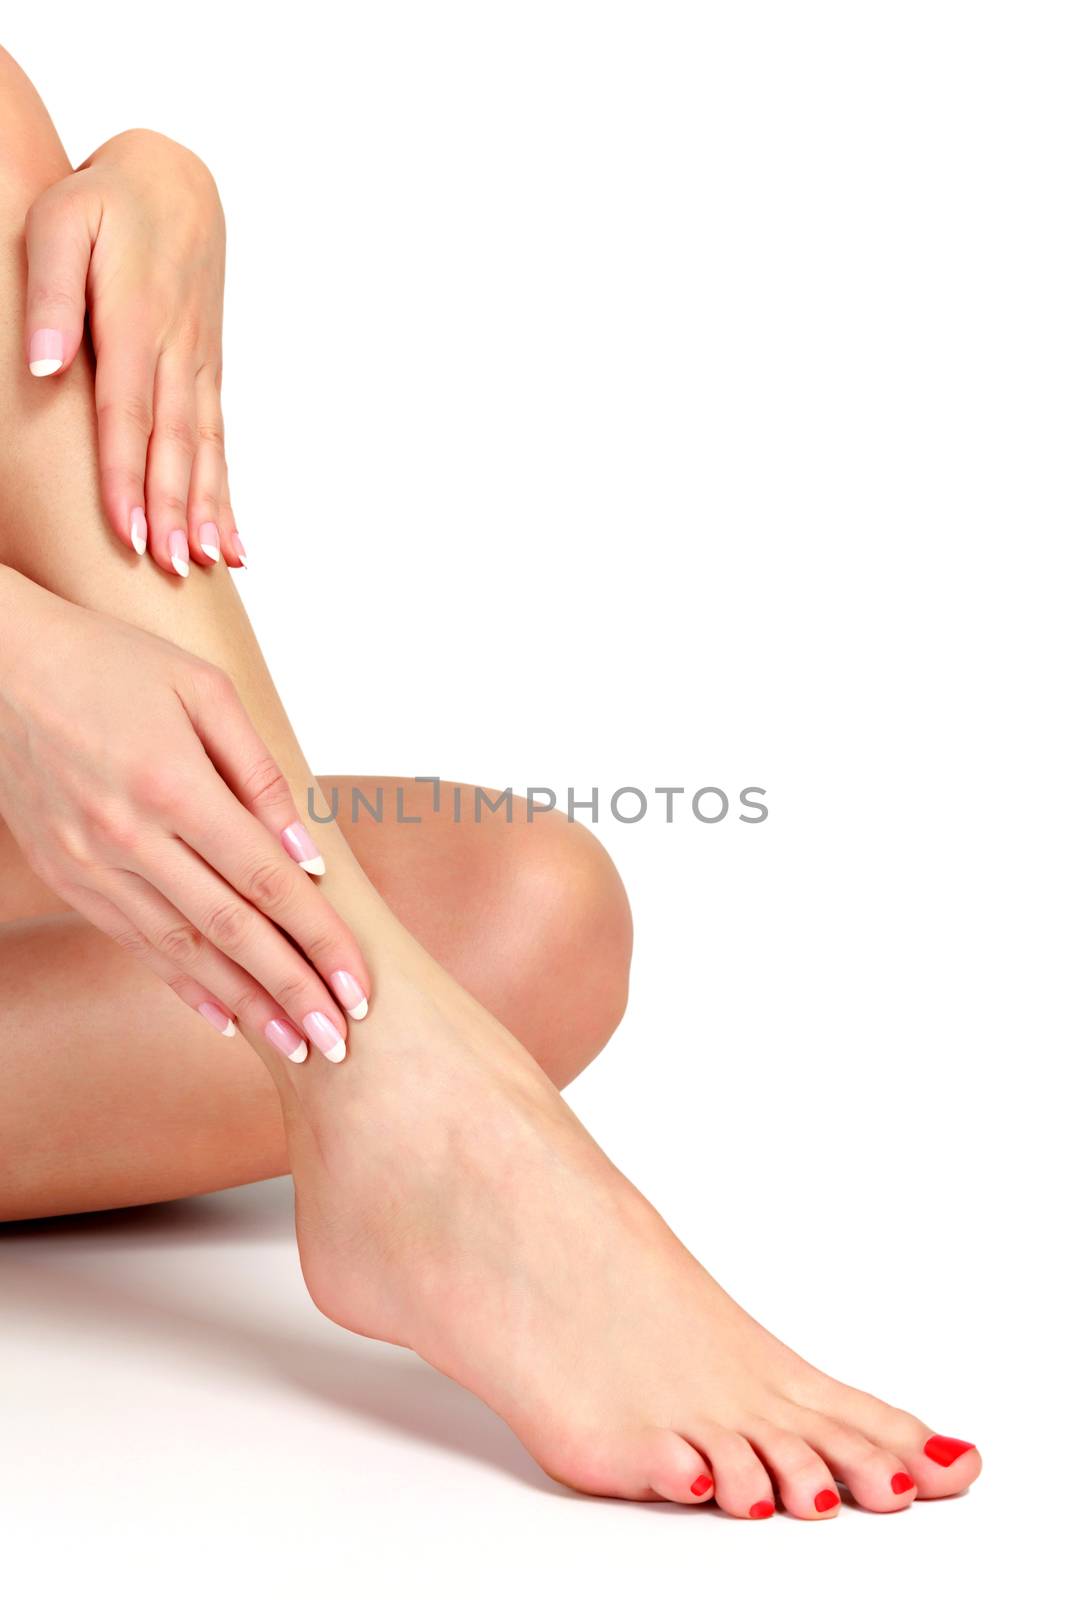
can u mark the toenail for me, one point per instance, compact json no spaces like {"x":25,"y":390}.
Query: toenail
{"x":900,"y":1483}
{"x":940,"y":1448}
{"x":700,"y":1485}
{"x":762,"y":1508}
{"x":826,"y":1500}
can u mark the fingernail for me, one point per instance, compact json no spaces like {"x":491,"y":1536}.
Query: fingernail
{"x":901,"y":1483}
{"x":138,"y":531}
{"x":321,"y":1031}
{"x":218,"y":1018}
{"x":178,"y":545}
{"x":209,"y":540}
{"x":762,"y":1508}
{"x":239,"y":547}
{"x":284,"y":1037}
{"x":350,"y":994}
{"x":297,"y":840}
{"x":46,"y":352}
{"x":700,"y":1485}
{"x":826,"y":1500}
{"x":940,"y":1448}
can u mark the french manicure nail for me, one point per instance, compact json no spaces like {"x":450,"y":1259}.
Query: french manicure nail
{"x":284,"y":1037}
{"x":46,"y":352}
{"x":218,"y":1018}
{"x":178,"y":545}
{"x":901,"y":1483}
{"x":700,"y":1485}
{"x":826,"y":1500}
{"x":239,"y":547}
{"x":321,"y":1031}
{"x":762,"y":1508}
{"x":209,"y":540}
{"x":940,"y":1448}
{"x":138,"y":531}
{"x":297,"y":840}
{"x":350,"y":994}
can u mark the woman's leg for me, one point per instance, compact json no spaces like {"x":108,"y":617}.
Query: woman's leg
{"x":513,"y":912}
{"x":446,"y":1197}
{"x":48,"y":481}
{"x":113,"y":1093}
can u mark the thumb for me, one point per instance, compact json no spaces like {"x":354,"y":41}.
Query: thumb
{"x":60,"y":230}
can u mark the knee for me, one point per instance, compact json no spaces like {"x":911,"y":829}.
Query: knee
{"x":576,"y":935}
{"x":31,"y":156}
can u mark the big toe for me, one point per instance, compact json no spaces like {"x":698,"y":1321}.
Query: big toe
{"x":942,"y":1465}
{"x":939,"y":1464}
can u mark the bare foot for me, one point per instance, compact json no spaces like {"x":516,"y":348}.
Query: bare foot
{"x":448,"y":1200}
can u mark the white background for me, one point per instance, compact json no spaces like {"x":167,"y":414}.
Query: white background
{"x":630,"y":394}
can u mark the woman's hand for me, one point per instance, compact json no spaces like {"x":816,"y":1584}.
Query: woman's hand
{"x":137,"y":235}
{"x":139,"y":791}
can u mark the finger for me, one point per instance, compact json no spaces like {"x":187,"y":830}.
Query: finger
{"x":233,"y":549}
{"x":209,"y":472}
{"x":178,"y":942}
{"x":246,"y":765}
{"x":125,"y":385}
{"x":60,"y":229}
{"x":236,"y":555}
{"x":227,"y":832}
{"x":234,"y":844}
{"x":98,"y":910}
{"x":250,"y":940}
{"x":170,"y":463}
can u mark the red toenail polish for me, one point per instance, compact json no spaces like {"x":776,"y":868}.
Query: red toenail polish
{"x":900,"y":1483}
{"x":940,"y":1448}
{"x":762,"y":1508}
{"x":700,"y":1485}
{"x":826,"y":1500}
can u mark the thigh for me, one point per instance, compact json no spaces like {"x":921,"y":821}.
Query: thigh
{"x":112,"y":1092}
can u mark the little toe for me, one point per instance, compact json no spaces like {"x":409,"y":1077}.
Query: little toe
{"x":742,"y":1487}
{"x":805,"y":1483}
{"x":877,"y":1479}
{"x":676,"y":1471}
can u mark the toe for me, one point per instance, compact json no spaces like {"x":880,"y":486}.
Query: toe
{"x":877,"y":1479}
{"x":942,"y":1465}
{"x":805,"y":1482}
{"x":742,"y":1487}
{"x":676,"y":1471}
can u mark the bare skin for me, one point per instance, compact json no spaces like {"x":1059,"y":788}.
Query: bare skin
{"x":447,"y":1199}
{"x":512,"y":911}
